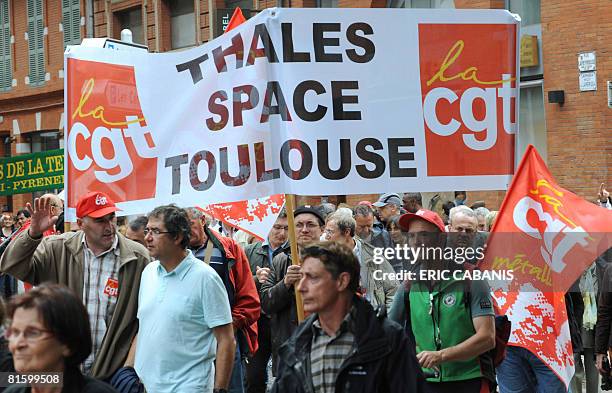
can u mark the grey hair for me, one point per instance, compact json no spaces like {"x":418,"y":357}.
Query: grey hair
{"x":344,"y":221}
{"x":327,"y":208}
{"x":482,"y":212}
{"x":194,"y":212}
{"x":344,"y":211}
{"x":490,"y":219}
{"x":461,"y":209}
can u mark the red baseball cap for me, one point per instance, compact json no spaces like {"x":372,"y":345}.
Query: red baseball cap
{"x":95,"y":205}
{"x":422,"y":214}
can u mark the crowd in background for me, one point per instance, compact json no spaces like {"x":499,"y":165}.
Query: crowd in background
{"x":177,"y":301}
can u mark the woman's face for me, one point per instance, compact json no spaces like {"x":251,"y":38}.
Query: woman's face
{"x":7,"y":221}
{"x":396,"y":234}
{"x":33,"y":347}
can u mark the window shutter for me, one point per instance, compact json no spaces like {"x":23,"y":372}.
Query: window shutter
{"x":66,"y":22}
{"x":76,"y":22}
{"x":36,"y":42}
{"x":71,"y":21}
{"x":6,"y":74}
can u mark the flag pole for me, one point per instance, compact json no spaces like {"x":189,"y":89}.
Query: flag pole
{"x":295,"y":256}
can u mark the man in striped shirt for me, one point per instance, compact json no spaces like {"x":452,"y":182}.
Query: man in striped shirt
{"x":344,"y":345}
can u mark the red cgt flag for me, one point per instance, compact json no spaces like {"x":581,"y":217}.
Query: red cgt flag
{"x":236,"y":20}
{"x":547,"y":236}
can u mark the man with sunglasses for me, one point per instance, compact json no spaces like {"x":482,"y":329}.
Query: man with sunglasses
{"x":451,"y":320}
{"x":278,"y":292}
{"x":96,"y":262}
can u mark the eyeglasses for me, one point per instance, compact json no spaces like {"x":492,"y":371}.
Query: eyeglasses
{"x":30,"y":334}
{"x":153,"y":231}
{"x":280,"y":227}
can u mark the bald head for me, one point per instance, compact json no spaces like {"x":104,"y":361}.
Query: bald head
{"x":56,"y":203}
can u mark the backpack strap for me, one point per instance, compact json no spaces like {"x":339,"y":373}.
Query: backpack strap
{"x":208,"y":252}
{"x":407,"y":285}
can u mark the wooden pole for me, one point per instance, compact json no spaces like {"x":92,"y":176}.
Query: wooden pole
{"x":295,"y":256}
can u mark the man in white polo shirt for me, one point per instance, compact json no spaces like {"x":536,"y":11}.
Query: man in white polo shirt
{"x":184,"y":314}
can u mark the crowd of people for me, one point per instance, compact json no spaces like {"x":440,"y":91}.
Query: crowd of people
{"x":174,"y":302}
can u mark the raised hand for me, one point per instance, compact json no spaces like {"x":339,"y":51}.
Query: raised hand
{"x":42,"y":216}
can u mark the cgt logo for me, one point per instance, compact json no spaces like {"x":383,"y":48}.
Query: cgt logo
{"x":558,"y":233}
{"x":108,"y":141}
{"x":101,"y":200}
{"x":469,"y":98}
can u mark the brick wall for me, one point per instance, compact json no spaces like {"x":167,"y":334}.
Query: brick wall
{"x":20,"y":105}
{"x":579,"y":132}
{"x":53,"y":46}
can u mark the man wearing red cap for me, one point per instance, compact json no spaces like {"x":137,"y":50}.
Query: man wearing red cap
{"x":452,"y":320}
{"x":96,"y":262}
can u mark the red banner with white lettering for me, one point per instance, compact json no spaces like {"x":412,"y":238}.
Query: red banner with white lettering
{"x":547,"y":236}
{"x":254,"y":216}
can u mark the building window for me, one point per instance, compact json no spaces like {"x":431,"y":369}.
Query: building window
{"x":130,"y":19}
{"x":182,"y":20}
{"x":43,"y":141}
{"x":6,"y":69}
{"x":421,"y":3}
{"x":36,"y":48}
{"x":5,"y":145}
{"x":327,"y":3}
{"x":532,"y":119}
{"x":71,"y":22}
{"x":8,"y":207}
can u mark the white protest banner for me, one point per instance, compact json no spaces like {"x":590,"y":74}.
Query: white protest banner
{"x":299,"y":101}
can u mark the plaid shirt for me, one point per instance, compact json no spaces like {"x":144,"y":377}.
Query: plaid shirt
{"x":100,"y":292}
{"x":328,"y":353}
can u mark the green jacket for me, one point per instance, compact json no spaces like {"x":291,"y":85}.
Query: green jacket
{"x":60,"y":259}
{"x":442,"y":319}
